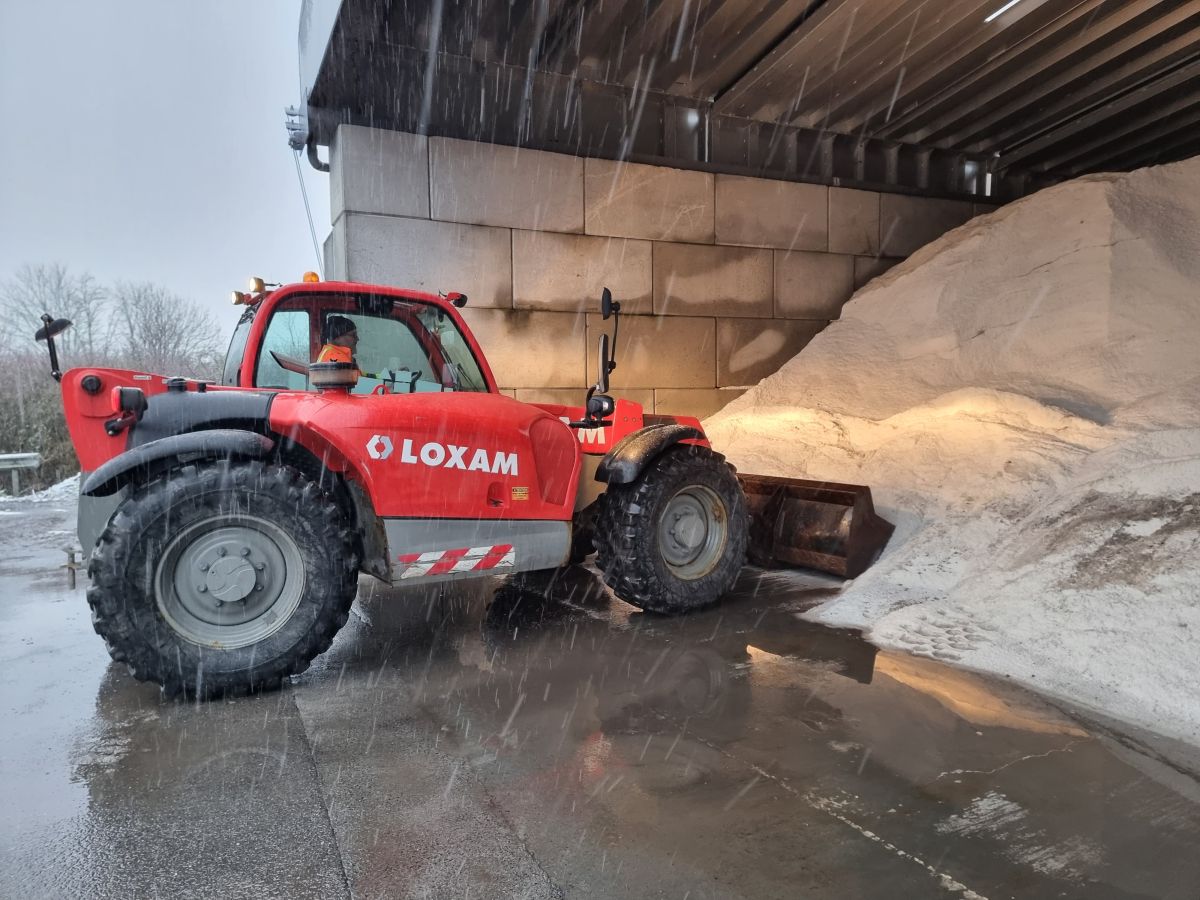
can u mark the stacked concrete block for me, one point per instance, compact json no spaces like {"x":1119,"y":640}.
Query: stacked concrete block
{"x":906,"y":224}
{"x":659,"y":351}
{"x":428,"y":256}
{"x":563,"y":271}
{"x":853,"y":222}
{"x":785,"y":215}
{"x":812,"y":285}
{"x":722,"y":279}
{"x":651,"y":202}
{"x":708,"y":279}
{"x":748,"y":350}
{"x":532,"y":349}
{"x":484,"y":184}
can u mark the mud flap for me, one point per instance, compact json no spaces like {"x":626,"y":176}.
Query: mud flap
{"x":815,"y":524}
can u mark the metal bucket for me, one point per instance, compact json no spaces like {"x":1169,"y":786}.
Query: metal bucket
{"x":815,"y":524}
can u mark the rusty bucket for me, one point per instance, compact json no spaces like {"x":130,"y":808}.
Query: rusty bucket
{"x":815,"y":524}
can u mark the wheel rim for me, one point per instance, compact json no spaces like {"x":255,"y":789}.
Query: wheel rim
{"x":692,"y":532}
{"x":227,"y":582}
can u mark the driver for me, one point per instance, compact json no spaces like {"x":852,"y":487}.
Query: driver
{"x":341,"y":340}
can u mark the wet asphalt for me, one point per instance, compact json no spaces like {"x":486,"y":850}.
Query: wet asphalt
{"x":545,"y":740}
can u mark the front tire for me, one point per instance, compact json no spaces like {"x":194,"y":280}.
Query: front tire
{"x":675,"y":539}
{"x":222,"y":579}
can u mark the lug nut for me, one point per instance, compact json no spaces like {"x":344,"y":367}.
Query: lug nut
{"x":203,"y":567}
{"x":258,"y":587}
{"x":260,"y":566}
{"x":203,"y":589}
{"x":221,"y":551}
{"x":245,"y":551}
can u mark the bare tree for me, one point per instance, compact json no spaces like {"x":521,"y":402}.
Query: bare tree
{"x":38,"y":289}
{"x":138,"y":325}
{"x":164,"y":333}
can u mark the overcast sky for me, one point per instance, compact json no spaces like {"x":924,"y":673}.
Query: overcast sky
{"x":144,"y":140}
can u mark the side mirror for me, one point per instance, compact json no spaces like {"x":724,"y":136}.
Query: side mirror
{"x":52,"y":329}
{"x":607,"y":307}
{"x":602,"y":382}
{"x":458,"y":298}
{"x":600,"y":406}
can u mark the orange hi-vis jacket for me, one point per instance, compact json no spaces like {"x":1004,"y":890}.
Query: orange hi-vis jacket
{"x":334,"y":353}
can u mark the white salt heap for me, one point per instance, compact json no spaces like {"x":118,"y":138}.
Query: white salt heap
{"x":1023,"y":398}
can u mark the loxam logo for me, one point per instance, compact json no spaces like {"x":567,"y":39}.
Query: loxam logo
{"x":588,"y":435}
{"x":445,"y":456}
{"x":379,"y":446}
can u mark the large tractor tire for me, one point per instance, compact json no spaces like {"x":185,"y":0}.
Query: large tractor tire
{"x":217,"y":580}
{"x":675,"y":539}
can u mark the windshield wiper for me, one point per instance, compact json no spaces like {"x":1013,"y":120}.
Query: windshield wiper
{"x":463,"y":376}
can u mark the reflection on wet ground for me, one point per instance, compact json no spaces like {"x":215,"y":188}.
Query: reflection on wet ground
{"x":545,"y":740}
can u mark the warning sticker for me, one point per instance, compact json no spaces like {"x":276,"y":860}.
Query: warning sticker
{"x":520,"y":493}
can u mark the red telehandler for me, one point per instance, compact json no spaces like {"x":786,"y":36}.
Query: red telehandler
{"x":227,"y":524}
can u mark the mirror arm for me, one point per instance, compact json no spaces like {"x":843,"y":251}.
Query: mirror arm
{"x":55,"y":372}
{"x":612,"y":355}
{"x":588,"y":421}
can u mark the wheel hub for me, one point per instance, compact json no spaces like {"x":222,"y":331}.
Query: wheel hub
{"x":230,"y":581}
{"x":689,"y":530}
{"x":692,"y":532}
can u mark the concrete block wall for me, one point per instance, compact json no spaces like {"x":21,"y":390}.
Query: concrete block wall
{"x":721,"y":278}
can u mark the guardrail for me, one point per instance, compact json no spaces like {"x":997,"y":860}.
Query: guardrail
{"x":15,"y":462}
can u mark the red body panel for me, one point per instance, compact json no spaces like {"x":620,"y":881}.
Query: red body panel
{"x":86,"y":413}
{"x":453,"y":456}
{"x":627,"y":418}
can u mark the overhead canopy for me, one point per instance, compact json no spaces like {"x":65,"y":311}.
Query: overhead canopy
{"x":929,"y":96}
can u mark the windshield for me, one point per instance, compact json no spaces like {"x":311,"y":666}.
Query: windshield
{"x":405,"y":346}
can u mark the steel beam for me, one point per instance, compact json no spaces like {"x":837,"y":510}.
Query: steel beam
{"x":1133,"y":132}
{"x":1181,"y":77}
{"x":1148,"y":140}
{"x":994,"y":52}
{"x":1184,"y":146}
{"x":737,"y":98}
{"x":1068,"y":104}
{"x":1083,"y":58}
{"x":925,"y":50}
{"x":873,"y":34}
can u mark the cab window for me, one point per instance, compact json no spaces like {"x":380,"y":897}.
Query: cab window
{"x":287,"y":339}
{"x":403,"y":346}
{"x":388,"y":352}
{"x":237,"y":349}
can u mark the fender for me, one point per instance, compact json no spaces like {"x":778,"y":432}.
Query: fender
{"x":220,"y":443}
{"x":634,"y":452}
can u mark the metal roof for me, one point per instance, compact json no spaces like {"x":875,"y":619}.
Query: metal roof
{"x":920,"y":95}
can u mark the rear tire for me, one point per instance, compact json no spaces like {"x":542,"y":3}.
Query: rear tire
{"x":675,"y":539}
{"x":222,"y":579}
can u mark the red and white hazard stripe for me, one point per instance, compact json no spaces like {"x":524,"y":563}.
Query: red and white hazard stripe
{"x":463,"y":559}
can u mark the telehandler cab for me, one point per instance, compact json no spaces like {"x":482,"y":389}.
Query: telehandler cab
{"x":227,"y":524}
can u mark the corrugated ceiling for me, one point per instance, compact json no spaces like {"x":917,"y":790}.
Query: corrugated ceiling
{"x":868,"y":89}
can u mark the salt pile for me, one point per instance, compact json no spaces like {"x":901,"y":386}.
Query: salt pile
{"x":1023,"y":398}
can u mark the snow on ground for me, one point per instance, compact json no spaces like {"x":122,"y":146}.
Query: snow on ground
{"x":1023,"y":398}
{"x":66,"y":490}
